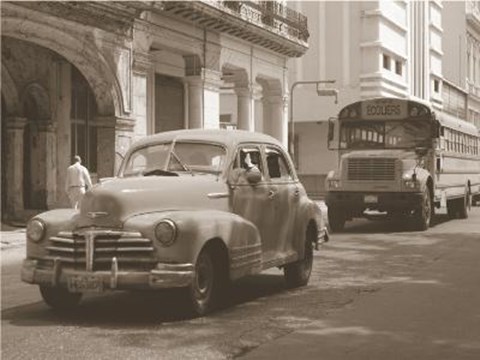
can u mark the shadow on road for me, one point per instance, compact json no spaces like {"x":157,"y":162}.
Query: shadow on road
{"x":140,"y":307}
{"x":386,"y":225}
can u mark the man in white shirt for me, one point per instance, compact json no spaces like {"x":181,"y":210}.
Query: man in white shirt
{"x":78,"y":180}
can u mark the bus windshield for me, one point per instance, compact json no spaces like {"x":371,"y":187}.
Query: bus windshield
{"x":392,"y":134}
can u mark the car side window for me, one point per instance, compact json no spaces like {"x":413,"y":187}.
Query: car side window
{"x":277,"y":165}
{"x":248,"y":158}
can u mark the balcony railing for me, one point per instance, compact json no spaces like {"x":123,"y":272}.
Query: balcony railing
{"x":272,"y":14}
{"x":266,"y":23}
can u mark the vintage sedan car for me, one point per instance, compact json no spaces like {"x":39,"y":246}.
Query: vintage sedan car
{"x":189,"y":208}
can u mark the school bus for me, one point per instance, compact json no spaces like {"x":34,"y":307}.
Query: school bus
{"x":400,"y":157}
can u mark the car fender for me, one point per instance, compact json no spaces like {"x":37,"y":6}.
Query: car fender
{"x":308,"y":211}
{"x":195,"y":228}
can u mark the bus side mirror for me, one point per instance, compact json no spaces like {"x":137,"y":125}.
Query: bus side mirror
{"x":331,"y":129}
{"x":331,"y":138}
{"x":436,"y":129}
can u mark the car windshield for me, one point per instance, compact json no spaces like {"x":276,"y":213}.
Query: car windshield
{"x":170,"y":159}
{"x":385,"y":134}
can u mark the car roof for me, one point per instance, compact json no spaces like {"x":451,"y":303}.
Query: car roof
{"x":229,"y":138}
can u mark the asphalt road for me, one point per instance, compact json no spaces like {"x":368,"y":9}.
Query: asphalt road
{"x":377,"y":291}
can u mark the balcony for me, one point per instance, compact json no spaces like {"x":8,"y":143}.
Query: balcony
{"x":266,"y":23}
{"x":473,"y":14}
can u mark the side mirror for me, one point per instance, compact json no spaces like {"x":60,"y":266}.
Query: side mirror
{"x":436,"y":129}
{"x":332,"y":142}
{"x":421,"y":151}
{"x":331,"y":129}
{"x":254,"y":176}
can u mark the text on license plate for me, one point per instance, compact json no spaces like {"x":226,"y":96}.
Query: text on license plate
{"x":85,"y":283}
{"x":370,"y":199}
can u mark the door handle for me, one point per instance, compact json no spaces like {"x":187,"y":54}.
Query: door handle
{"x":271,"y":194}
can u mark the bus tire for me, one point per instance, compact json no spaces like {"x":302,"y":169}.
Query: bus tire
{"x":423,"y":215}
{"x":452,"y":209}
{"x":463,"y":206}
{"x":336,"y":219}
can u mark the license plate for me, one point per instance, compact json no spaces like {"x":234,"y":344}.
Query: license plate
{"x":84,"y":283}
{"x":370,"y":199}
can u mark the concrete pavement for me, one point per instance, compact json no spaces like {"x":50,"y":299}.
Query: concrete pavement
{"x":433,"y":314}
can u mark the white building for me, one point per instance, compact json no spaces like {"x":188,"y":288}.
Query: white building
{"x":89,"y":78}
{"x":428,"y":50}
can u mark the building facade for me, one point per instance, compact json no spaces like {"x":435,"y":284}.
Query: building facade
{"x":89,"y":78}
{"x":421,"y":50}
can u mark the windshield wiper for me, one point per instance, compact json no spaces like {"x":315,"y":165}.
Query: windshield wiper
{"x":183,"y":165}
{"x":159,"y":172}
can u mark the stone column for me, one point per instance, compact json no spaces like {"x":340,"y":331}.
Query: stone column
{"x":204,"y":99}
{"x":276,"y":116}
{"x":115,"y":135}
{"x":14,"y":166}
{"x":258,"y":108}
{"x":143,"y":94}
{"x":47,"y":132}
{"x":245,"y":106}
{"x":61,"y":102}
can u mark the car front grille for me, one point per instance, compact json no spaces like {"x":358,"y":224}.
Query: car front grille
{"x":371,"y":169}
{"x":95,"y":249}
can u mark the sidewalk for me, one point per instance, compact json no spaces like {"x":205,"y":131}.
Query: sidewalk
{"x":11,"y":236}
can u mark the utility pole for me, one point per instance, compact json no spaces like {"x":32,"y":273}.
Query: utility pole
{"x":320,"y":92}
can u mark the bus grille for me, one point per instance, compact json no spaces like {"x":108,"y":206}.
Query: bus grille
{"x":371,"y":169}
{"x":94,"y":249}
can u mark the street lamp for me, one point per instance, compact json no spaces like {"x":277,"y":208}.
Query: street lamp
{"x":320,"y":92}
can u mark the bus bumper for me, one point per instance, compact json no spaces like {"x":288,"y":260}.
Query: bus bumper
{"x":355,"y":203}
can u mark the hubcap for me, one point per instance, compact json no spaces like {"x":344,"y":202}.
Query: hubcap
{"x":204,"y":276}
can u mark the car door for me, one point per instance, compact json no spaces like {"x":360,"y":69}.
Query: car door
{"x":251,"y":201}
{"x":284,"y":197}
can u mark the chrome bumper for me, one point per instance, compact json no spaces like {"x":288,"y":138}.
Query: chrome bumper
{"x":163,"y":276}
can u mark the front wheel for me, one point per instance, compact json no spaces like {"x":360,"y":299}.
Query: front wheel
{"x":59,"y":298}
{"x":423,"y":215}
{"x":336,"y":219}
{"x":298,"y":273}
{"x":202,"y":289}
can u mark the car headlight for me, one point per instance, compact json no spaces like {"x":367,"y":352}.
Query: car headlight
{"x":35,"y":230}
{"x":334,"y":183}
{"x":166,"y":232}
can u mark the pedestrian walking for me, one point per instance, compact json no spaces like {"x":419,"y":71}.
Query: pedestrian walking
{"x":78,"y":181}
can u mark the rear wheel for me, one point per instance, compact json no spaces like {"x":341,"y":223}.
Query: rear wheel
{"x":336,"y":219}
{"x":452,"y":209}
{"x":298,"y":273}
{"x":464,"y":205}
{"x":59,"y":298}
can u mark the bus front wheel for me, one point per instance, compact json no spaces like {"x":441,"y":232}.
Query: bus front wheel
{"x":336,"y":219}
{"x":423,"y":215}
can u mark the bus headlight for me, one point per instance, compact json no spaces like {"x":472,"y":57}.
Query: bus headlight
{"x":35,"y":230}
{"x":333,"y":183}
{"x":166,"y":232}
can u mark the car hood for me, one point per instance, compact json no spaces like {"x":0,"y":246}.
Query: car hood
{"x":109,"y":204}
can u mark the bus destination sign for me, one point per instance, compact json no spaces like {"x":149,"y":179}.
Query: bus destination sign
{"x":385,"y":109}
